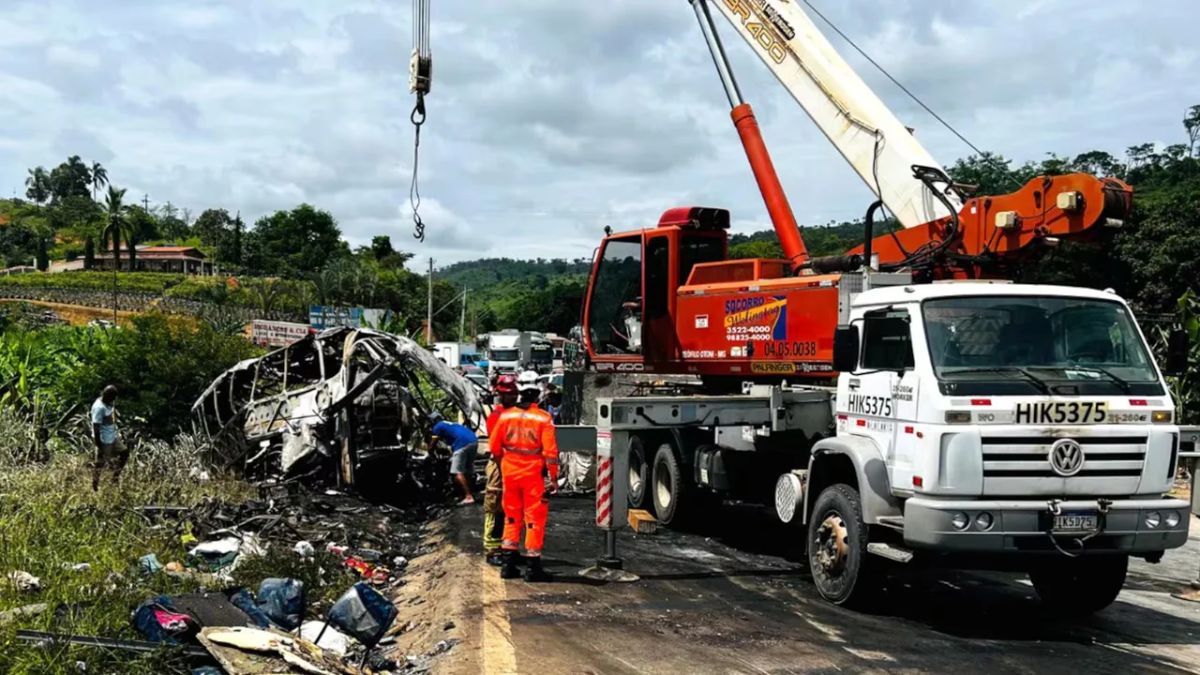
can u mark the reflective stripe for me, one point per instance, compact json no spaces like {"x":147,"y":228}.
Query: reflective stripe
{"x":533,"y":554}
{"x":531,"y":452}
{"x":552,"y":462}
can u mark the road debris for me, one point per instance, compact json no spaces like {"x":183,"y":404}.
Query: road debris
{"x":363,"y":614}
{"x":345,"y":405}
{"x":326,"y":637}
{"x":49,"y":639}
{"x":246,"y":651}
{"x":282,"y":600}
{"x":149,"y":564}
{"x":9,"y":615}
{"x":24,"y":581}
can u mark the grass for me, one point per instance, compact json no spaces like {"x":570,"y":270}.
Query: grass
{"x":51,"y":519}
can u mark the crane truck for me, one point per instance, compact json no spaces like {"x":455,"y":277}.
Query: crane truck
{"x":903,"y":401}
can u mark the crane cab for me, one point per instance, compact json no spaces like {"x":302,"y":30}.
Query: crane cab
{"x":668,"y":300}
{"x":629,"y":314}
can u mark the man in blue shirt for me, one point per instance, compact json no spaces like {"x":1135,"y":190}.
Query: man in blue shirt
{"x":109,"y":447}
{"x":464,"y":444}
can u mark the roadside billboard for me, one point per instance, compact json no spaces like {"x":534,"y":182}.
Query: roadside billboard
{"x":276,"y":333}
{"x":321,"y":317}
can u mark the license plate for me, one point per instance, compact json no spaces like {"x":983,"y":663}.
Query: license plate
{"x":1062,"y":412}
{"x":1076,"y":522}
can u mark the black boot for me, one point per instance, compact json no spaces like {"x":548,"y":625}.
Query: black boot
{"x":534,"y":573}
{"x":509,"y":569}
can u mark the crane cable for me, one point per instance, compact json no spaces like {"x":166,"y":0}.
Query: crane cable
{"x":896,"y":82}
{"x":420,"y":72}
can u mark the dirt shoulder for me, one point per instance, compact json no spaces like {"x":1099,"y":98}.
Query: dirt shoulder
{"x":439,"y":607}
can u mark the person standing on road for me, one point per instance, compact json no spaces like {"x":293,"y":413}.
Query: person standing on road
{"x":109,"y":447}
{"x":493,"y":507}
{"x":525,"y":442}
{"x":463,"y":444}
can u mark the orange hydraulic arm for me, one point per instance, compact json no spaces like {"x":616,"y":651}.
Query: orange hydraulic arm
{"x":768,"y":184}
{"x":756,"y":150}
{"x":991,"y":233}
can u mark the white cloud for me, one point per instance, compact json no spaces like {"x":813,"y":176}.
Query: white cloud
{"x":548,"y":119}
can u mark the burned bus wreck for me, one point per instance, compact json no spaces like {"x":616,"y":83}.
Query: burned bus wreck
{"x":347,"y":405}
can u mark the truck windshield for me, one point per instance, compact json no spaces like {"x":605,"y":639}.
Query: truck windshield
{"x":1037,"y":344}
{"x":504,"y":355}
{"x":542,"y":355}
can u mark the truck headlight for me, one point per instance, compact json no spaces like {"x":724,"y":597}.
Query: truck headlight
{"x":1162,"y":416}
{"x":1172,"y":518}
{"x":960,"y":521}
{"x":983,"y":521}
{"x":1153,"y":519}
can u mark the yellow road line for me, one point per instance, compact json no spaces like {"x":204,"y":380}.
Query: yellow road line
{"x":499,"y":653}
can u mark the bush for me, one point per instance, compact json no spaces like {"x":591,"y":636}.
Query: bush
{"x":160,"y":365}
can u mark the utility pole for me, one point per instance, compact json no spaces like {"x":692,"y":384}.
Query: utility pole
{"x":462,"y":319}
{"x":429,"y":311}
{"x":146,"y":202}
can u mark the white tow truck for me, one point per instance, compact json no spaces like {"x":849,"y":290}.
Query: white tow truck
{"x":988,"y":425}
{"x":973,"y":423}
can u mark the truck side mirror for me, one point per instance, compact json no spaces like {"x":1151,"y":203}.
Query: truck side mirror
{"x":845,"y":349}
{"x":1178,"y":346}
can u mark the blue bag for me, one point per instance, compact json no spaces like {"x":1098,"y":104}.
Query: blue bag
{"x":159,"y":621}
{"x":244,"y":600}
{"x":282,"y":600}
{"x":363,"y":613}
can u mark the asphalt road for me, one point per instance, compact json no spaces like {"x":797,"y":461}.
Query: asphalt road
{"x":729,"y":599}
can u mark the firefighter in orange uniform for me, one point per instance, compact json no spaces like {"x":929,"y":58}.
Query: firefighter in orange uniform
{"x":528,"y":452}
{"x":493,"y":509}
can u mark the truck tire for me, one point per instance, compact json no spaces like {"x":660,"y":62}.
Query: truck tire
{"x":669,"y":488}
{"x":1080,"y":586}
{"x":837,"y":547}
{"x":639,"y":474}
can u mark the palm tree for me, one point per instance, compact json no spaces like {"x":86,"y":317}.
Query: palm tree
{"x":131,"y":240}
{"x":78,"y":176}
{"x":38,"y":185}
{"x":116,"y":223}
{"x":267,"y":293}
{"x":99,"y":178}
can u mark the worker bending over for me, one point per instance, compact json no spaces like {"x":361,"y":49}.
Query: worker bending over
{"x":525,"y":443}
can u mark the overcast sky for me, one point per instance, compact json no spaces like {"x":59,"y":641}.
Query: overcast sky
{"x":549,"y":118}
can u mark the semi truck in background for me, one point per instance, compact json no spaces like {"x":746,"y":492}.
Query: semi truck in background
{"x":456,"y":354}
{"x":503,"y":352}
{"x":511,"y":350}
{"x":540,"y":351}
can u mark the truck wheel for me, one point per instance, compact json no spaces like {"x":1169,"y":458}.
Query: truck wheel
{"x":669,"y":486}
{"x":639,"y":474}
{"x":1081,"y":585}
{"x":837,"y":547}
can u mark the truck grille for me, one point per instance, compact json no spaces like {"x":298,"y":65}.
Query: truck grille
{"x":1027,"y":456}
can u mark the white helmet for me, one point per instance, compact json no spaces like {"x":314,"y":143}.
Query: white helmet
{"x":527,"y":381}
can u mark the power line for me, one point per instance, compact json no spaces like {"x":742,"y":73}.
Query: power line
{"x":896,"y":82}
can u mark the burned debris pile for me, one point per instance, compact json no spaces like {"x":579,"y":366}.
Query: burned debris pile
{"x":345,"y":405}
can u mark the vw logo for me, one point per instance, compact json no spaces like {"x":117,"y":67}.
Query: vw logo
{"x":1066,"y":457}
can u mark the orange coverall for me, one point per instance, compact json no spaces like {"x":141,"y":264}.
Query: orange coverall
{"x":528,"y":450}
